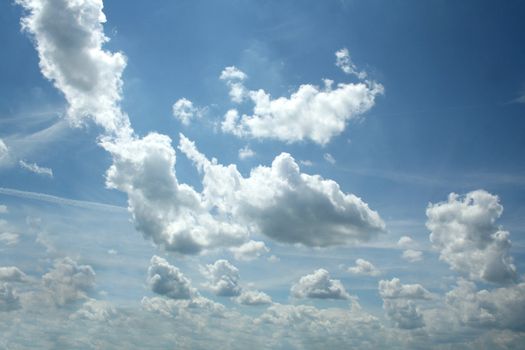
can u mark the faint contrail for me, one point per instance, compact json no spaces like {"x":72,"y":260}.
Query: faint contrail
{"x":60,"y":200}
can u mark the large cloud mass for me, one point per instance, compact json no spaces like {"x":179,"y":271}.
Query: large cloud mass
{"x":465,"y":232}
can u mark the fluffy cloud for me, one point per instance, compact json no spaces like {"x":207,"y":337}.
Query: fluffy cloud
{"x":69,"y":37}
{"x":35,"y":168}
{"x":253,"y":297}
{"x":95,"y":310}
{"x":223,"y":278}
{"x":12,"y":274}
{"x":173,"y":215}
{"x":398,"y":302}
{"x":250,"y":250}
{"x":67,"y":281}
{"x":412,"y":255}
{"x":246,"y":152}
{"x":285,"y":204}
{"x":343,"y":61}
{"x":406,"y":242}
{"x":234,"y":78}
{"x":364,"y":267}
{"x":184,"y":110}
{"x":465,"y":232}
{"x":166,"y":279}
{"x":310,"y":113}
{"x":319,"y":285}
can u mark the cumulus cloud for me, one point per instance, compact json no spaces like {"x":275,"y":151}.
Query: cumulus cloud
{"x":364,"y":267}
{"x":223,"y":278}
{"x":168,"y":280}
{"x":172,"y":214}
{"x":234,"y":78}
{"x":253,"y":297}
{"x":250,"y":250}
{"x":412,"y":255}
{"x":35,"y":168}
{"x":67,"y":281}
{"x":310,"y":113}
{"x":502,"y":308}
{"x":319,"y":285}
{"x":285,"y":204}
{"x":246,"y":152}
{"x":464,"y":231}
{"x":9,"y":300}
{"x":69,"y":38}
{"x":344,"y":62}
{"x":12,"y":274}
{"x":185,"y":111}
{"x":398,"y":302}
{"x":406,"y":242}
{"x":95,"y":310}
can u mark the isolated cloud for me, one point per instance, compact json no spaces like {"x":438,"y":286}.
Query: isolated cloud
{"x":69,"y":37}
{"x":223,"y":278}
{"x":12,"y":274}
{"x":406,"y":242}
{"x":250,"y":250}
{"x":184,"y":110}
{"x":67,"y":281}
{"x":465,"y":232}
{"x":234,"y":78}
{"x":246,"y":152}
{"x":412,"y":255}
{"x":344,"y":62}
{"x":253,"y":298}
{"x":319,"y":285}
{"x":4,"y":153}
{"x":95,"y":310}
{"x":310,"y":113}
{"x":167,"y":280}
{"x":329,"y":158}
{"x":35,"y":168}
{"x":364,"y":267}
{"x":285,"y":204}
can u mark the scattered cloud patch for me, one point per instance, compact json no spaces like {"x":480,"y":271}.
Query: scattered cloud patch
{"x":223,"y":278}
{"x":34,"y":168}
{"x":343,"y":61}
{"x":250,"y":250}
{"x":412,"y":255}
{"x":12,"y":274}
{"x":253,"y":297}
{"x":406,"y":242}
{"x":234,"y":78}
{"x":364,"y":267}
{"x":319,"y":285}
{"x":246,"y":152}
{"x":167,"y":280}
{"x":464,"y":231}
{"x":329,"y":158}
{"x":185,"y":111}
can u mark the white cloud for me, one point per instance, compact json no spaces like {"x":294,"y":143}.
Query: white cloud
{"x":234,"y":78}
{"x":4,"y":153}
{"x":306,"y":162}
{"x":68,"y":281}
{"x":95,"y":310}
{"x":33,"y":167}
{"x":184,"y":110}
{"x":223,"y":278}
{"x":9,"y":300}
{"x":253,"y":297}
{"x":167,"y":280}
{"x":329,"y":158}
{"x":502,"y":308}
{"x":285,"y":204}
{"x":173,"y":215}
{"x":344,"y":62}
{"x":9,"y":238}
{"x":468,"y":239}
{"x":11,"y":274}
{"x":412,"y":255}
{"x":246,"y":152}
{"x":394,"y":289}
{"x":310,"y":113}
{"x":250,"y":250}
{"x":69,"y":37}
{"x":364,"y":267}
{"x":398,"y":302}
{"x":406,"y":242}
{"x":319,"y":285}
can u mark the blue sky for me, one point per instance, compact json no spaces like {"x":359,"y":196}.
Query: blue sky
{"x":341,"y":174}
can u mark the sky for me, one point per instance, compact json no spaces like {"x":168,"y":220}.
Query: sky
{"x":275,"y":175}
